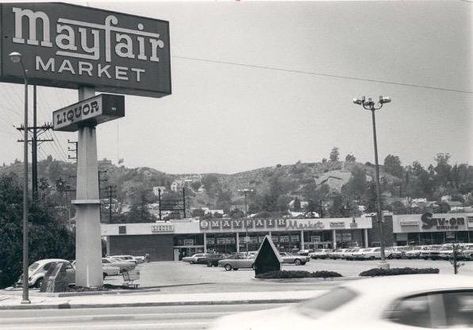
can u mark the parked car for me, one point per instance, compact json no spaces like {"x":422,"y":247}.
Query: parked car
{"x":336,"y":254}
{"x":430,"y":252}
{"x":415,"y":251}
{"x":395,"y":252}
{"x":212,"y":259}
{"x":305,"y":252}
{"x":368,"y":253}
{"x":123,"y":265}
{"x":388,"y":303}
{"x":38,"y":269}
{"x":348,"y":254}
{"x":126,"y":257}
{"x":108,"y":269}
{"x":320,"y":253}
{"x":296,"y":259}
{"x":467,"y":251}
{"x":236,"y":261}
{"x":194,"y":258}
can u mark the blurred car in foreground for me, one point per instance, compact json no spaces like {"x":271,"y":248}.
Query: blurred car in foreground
{"x":236,"y":261}
{"x":38,"y":269}
{"x":296,"y":259}
{"x":395,"y":302}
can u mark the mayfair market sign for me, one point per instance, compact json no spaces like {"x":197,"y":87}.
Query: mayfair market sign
{"x":70,"y":46}
{"x":284,"y":224}
{"x":93,"y":111}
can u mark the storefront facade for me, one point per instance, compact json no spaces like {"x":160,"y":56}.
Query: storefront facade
{"x":175,"y":239}
{"x":428,"y":228}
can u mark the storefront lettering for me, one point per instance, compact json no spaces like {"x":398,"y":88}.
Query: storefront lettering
{"x":428,"y":222}
{"x":295,"y":224}
{"x":337,"y":224}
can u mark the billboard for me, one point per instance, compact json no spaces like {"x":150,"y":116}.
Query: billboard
{"x":70,"y":46}
{"x":90,"y":112}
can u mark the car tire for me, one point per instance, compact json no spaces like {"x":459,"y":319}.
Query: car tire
{"x":209,"y":264}
{"x":39,"y":282}
{"x":297,"y":262}
{"x":228,"y":267}
{"x":104,"y":275}
{"x":191,"y":262}
{"x":253,"y":267}
{"x":372,"y":258}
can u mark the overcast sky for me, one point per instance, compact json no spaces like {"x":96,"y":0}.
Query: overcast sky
{"x":261,"y":83}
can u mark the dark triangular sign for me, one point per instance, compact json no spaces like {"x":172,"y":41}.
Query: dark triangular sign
{"x":268,"y":258}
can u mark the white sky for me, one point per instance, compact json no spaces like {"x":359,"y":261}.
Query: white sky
{"x":228,"y":118}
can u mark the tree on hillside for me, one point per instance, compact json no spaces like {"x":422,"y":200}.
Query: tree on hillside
{"x":442,"y":169}
{"x":211,"y":184}
{"x":392,"y":165}
{"x":356,"y":186}
{"x":350,"y":158}
{"x":334,"y":154}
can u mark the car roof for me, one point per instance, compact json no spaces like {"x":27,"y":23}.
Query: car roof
{"x":44,"y":261}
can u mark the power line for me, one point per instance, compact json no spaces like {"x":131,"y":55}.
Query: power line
{"x":319,"y":74}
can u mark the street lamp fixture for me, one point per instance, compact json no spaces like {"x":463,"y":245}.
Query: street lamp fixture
{"x":369,"y":104}
{"x":16,"y":58}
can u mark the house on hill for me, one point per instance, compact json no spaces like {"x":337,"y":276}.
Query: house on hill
{"x":334,"y":179}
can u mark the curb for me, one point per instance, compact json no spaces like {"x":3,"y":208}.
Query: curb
{"x":152,"y":304}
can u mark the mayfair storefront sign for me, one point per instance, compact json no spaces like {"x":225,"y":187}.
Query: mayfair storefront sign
{"x":429,"y":222}
{"x":70,"y":46}
{"x":219,"y":225}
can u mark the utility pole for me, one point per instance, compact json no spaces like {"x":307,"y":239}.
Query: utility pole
{"x":159,"y":200}
{"x":36,"y":131}
{"x":184,"y":201}
{"x":75,"y":143}
{"x":111,"y":192}
{"x":245,"y":192}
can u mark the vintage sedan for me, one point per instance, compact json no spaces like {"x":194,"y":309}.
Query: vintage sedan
{"x":296,"y":259}
{"x":123,"y":265}
{"x":236,"y":261}
{"x":389,"y":303}
{"x":193,"y":259}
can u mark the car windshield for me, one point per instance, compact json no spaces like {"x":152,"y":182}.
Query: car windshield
{"x":33,"y":267}
{"x":325,"y":303}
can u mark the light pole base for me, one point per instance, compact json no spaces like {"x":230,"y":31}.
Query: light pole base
{"x":25,"y":302}
{"x":383,"y":264}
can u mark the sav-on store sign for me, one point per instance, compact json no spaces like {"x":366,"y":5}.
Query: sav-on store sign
{"x":70,"y":46}
{"x":90,"y":112}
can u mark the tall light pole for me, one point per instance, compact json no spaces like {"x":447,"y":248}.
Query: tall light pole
{"x":246,"y":191}
{"x":369,"y":104}
{"x":16,"y":57}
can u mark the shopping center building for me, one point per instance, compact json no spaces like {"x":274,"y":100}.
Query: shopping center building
{"x":176,"y":238}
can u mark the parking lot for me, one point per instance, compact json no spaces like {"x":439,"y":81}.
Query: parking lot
{"x":169,"y":273}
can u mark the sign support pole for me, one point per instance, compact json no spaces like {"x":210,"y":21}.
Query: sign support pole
{"x":88,"y":236}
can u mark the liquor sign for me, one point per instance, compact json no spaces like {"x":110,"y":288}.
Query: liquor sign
{"x":93,"y":111}
{"x":70,"y":46}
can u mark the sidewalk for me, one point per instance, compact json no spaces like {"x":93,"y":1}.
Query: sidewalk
{"x":12,"y":300}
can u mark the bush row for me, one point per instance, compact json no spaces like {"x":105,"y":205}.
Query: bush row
{"x":298,"y":274}
{"x":398,"y":271}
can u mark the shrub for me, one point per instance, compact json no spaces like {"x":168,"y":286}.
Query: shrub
{"x":398,"y":271}
{"x":297,"y":274}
